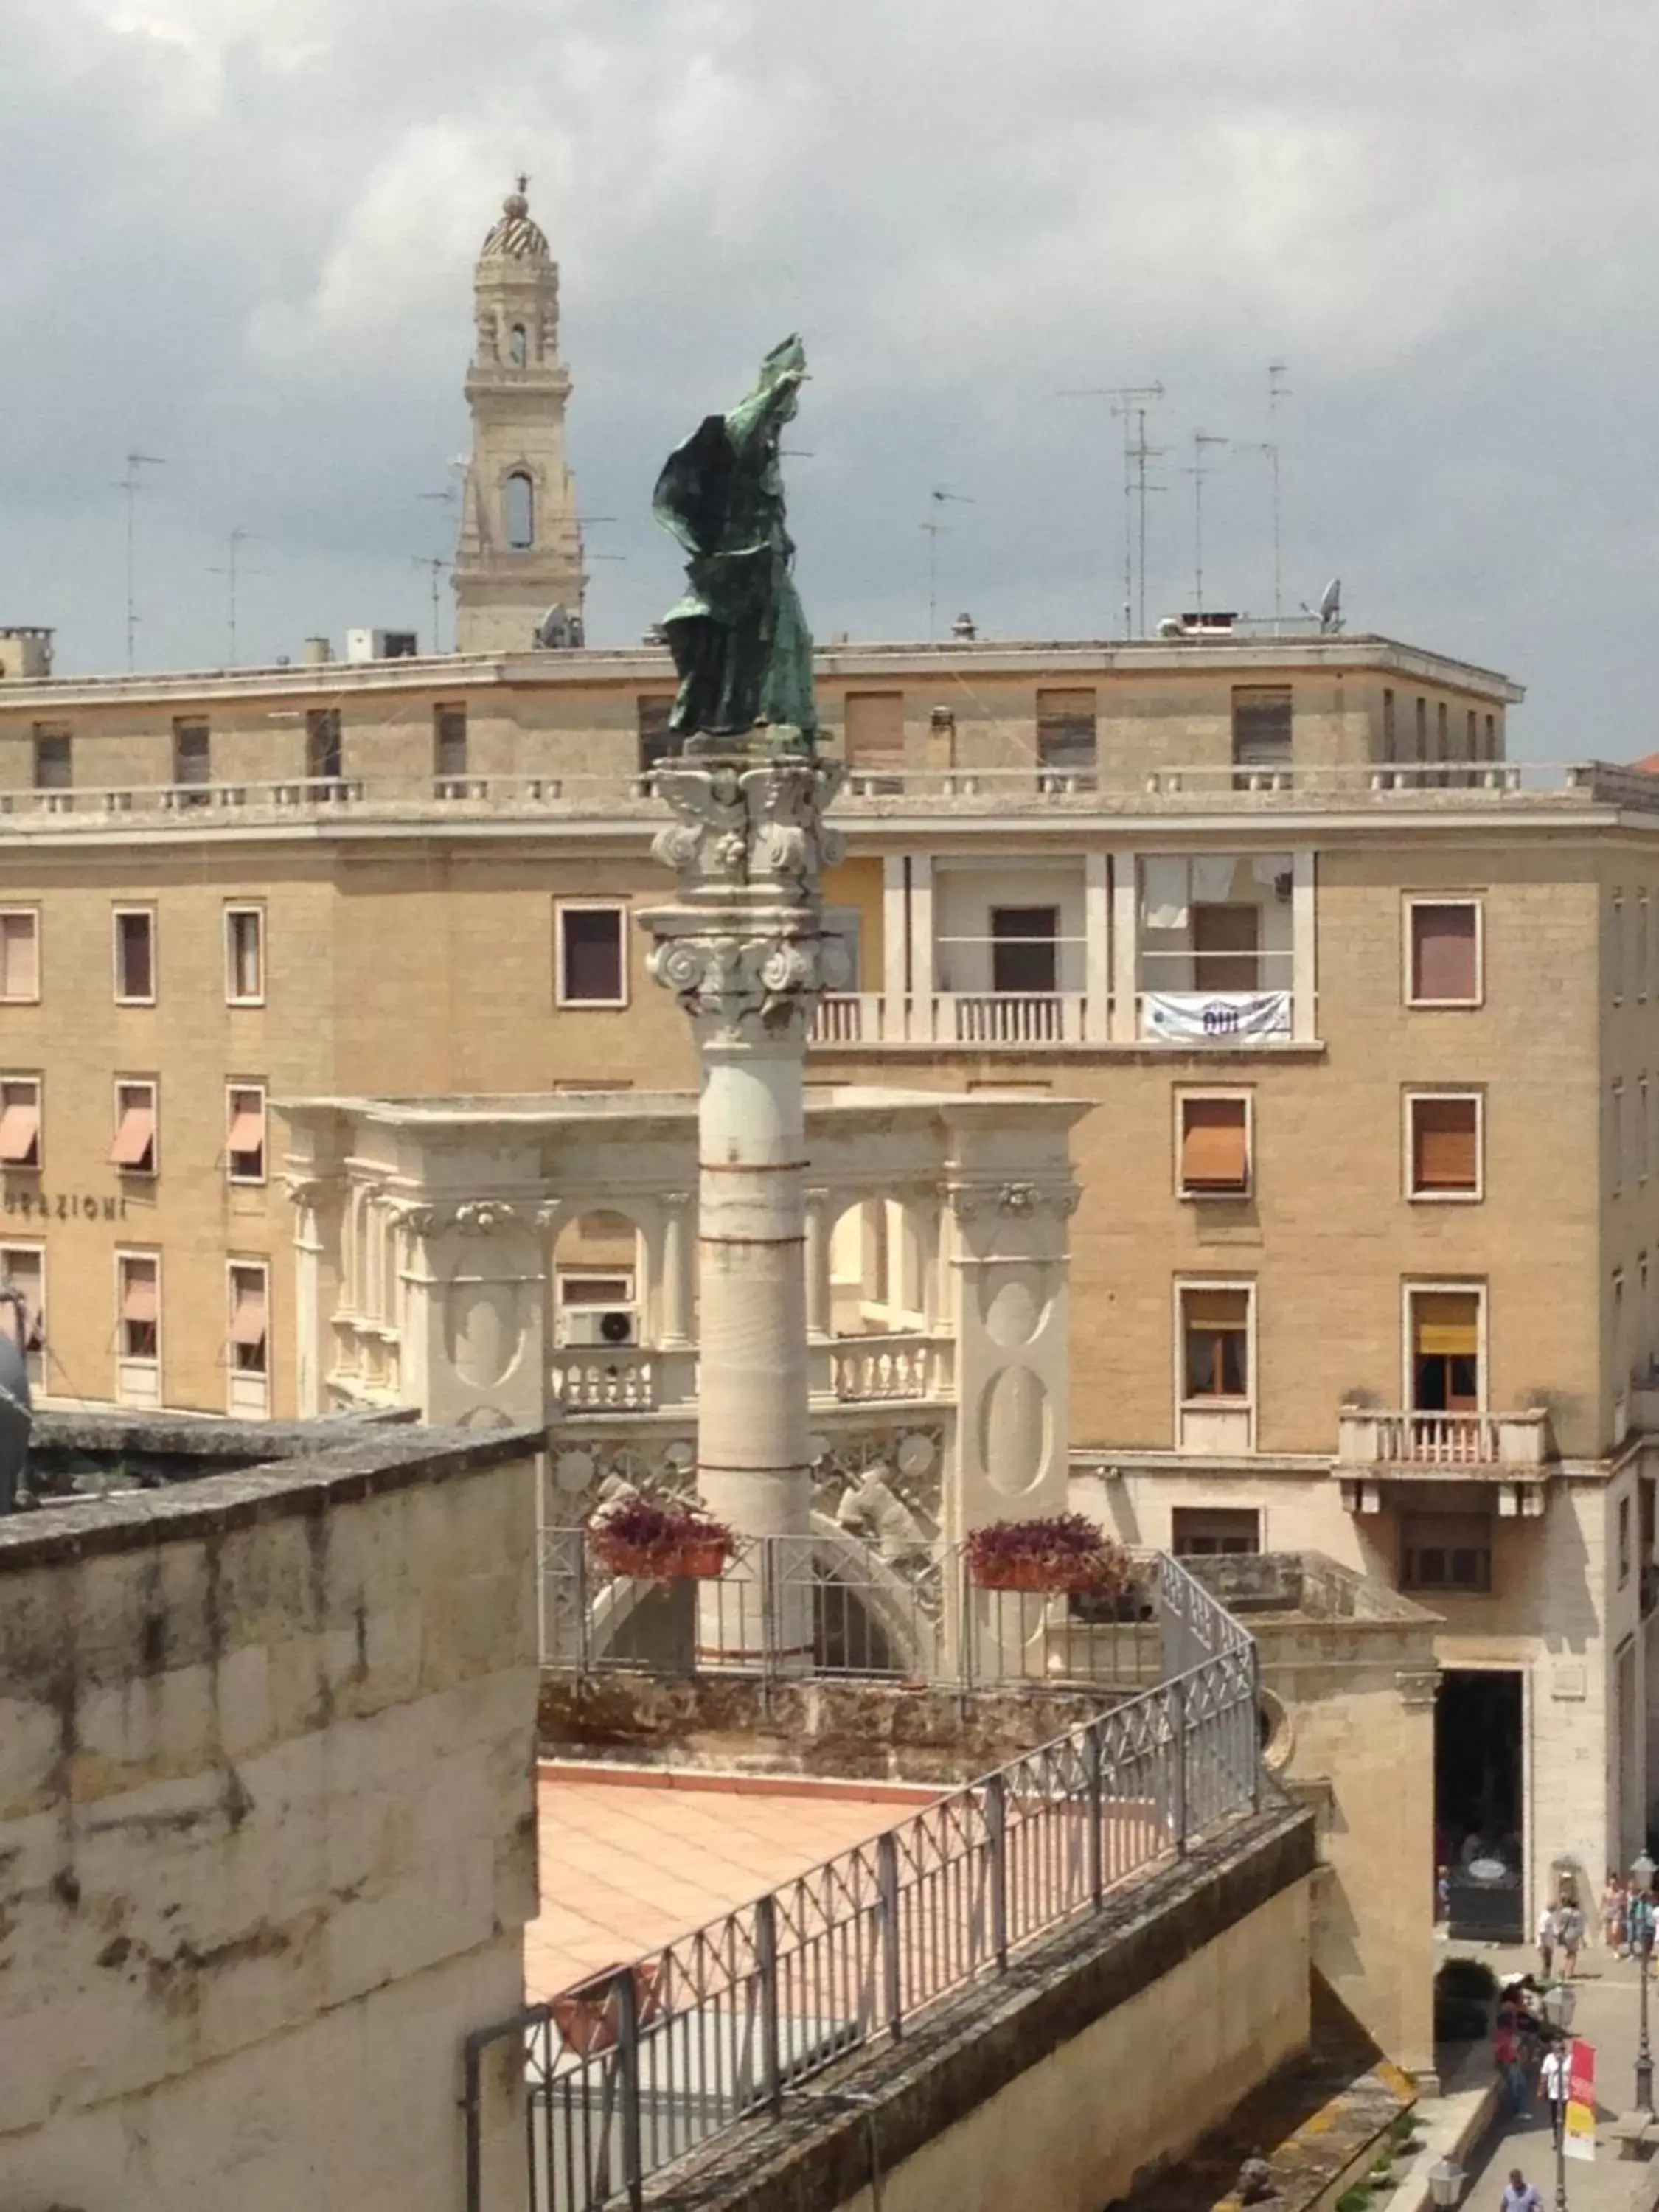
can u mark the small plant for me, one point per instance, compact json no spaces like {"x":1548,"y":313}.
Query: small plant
{"x":662,"y":1543}
{"x":1067,"y":1553}
{"x":1354,"y":2200}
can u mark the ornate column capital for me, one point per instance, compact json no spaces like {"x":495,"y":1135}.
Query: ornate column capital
{"x":744,"y":949}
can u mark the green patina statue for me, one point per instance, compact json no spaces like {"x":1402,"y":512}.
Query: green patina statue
{"x":739,"y":636}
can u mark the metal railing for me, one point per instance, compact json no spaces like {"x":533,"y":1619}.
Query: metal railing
{"x":638,"y":2065}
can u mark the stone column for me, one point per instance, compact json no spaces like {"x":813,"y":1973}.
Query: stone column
{"x":819,"y":1318}
{"x":743,"y":950}
{"x":676,"y":1270}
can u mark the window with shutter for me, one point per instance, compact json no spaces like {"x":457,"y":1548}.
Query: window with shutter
{"x":54,"y":768}
{"x":192,"y":752}
{"x":19,"y":954}
{"x":1204,"y":1532}
{"x":134,"y":1149}
{"x":19,"y":1122}
{"x":1445,"y":1147}
{"x":1215,"y":1147}
{"x":875,"y":729}
{"x":1445,"y":952}
{"x":135,"y":955}
{"x":1445,"y":1551}
{"x":244,"y":1132}
{"x":1262,"y":724}
{"x":448,"y":741}
{"x":1066,"y":727}
{"x":248,"y":1325}
{"x":24,"y":1267}
{"x":1215,"y":1343}
{"x":140,"y":1301}
{"x":1446,"y":1352}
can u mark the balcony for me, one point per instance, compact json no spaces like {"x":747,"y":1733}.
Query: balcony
{"x":1513,"y":1452}
{"x":1007,"y":1018}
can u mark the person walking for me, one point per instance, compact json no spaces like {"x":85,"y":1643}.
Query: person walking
{"x":1570,"y":1935}
{"x":1554,"y":2076}
{"x":1639,"y":1927}
{"x":1520,"y":2196}
{"x":1548,"y":1928}
{"x":1506,"y":2051}
{"x":1613,"y":1914}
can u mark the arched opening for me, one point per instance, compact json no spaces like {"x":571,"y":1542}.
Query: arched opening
{"x":518,"y":346}
{"x":520,"y":512}
{"x":877,"y":1270}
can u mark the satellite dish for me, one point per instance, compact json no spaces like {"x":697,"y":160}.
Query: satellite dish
{"x":559,"y":630}
{"x":1330,"y":605}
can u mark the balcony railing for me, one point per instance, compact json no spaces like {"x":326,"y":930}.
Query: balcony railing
{"x":1411,"y":1439}
{"x":871,"y":1369}
{"x":602,"y":1381}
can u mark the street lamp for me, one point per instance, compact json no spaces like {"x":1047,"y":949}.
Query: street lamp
{"x":1560,"y":2003}
{"x":1641,"y":1875}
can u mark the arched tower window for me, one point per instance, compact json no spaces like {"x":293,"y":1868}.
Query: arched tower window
{"x":520,"y":512}
{"x":518,"y":346}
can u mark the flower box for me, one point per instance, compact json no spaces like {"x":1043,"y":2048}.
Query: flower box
{"x":589,"y":2017}
{"x":1063,"y":1554}
{"x":1034,"y":1573}
{"x":686,"y":1558}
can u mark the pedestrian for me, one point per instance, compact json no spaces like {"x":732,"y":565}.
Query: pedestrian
{"x":1613,"y":1914}
{"x":1554,"y":2078}
{"x":1570,"y":1935}
{"x":1638,"y":1926}
{"x":1506,"y":2049}
{"x":1442,"y":1895}
{"x":1548,"y":1930}
{"x":1520,"y":2196}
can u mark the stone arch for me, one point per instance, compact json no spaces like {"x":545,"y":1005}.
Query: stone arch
{"x":880,"y":1260}
{"x":518,"y":510}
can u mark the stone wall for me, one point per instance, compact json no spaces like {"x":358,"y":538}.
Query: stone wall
{"x":267,"y":1827}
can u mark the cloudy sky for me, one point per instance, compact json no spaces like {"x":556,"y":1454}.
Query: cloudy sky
{"x":239,"y":234}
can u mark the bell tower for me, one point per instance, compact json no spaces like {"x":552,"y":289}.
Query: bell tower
{"x":520,"y":549}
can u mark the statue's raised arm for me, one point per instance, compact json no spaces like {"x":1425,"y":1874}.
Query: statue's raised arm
{"x":739,"y":636}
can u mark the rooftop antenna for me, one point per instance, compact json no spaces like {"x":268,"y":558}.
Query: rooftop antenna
{"x":232,"y":572}
{"x":1130,"y":402}
{"x":435,"y":564}
{"x":1198,"y":470}
{"x":131,"y":484}
{"x":936,"y":530}
{"x":1276,"y":390}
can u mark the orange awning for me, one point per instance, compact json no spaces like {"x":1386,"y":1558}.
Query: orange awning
{"x":248,"y":1130}
{"x":247,"y":1322}
{"x":20,"y":1131}
{"x":138,"y":1294}
{"x":135,"y":1137}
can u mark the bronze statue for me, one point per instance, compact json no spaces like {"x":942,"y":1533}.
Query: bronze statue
{"x":739,"y":636}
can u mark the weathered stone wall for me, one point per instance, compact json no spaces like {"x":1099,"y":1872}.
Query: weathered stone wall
{"x":267,"y":1828}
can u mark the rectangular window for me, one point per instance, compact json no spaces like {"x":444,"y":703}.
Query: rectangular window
{"x":1208,"y":1532}
{"x":248,"y":1338}
{"x":323,"y":747}
{"x":23,"y":1269}
{"x":1214,"y":1143}
{"x":657,"y":742}
{"x":1471,"y":742}
{"x":1422,"y":729}
{"x":1641,"y":947}
{"x":192,"y":752}
{"x":1444,"y":1145}
{"x":448,"y":742}
{"x":1491,"y":737}
{"x":19,"y":954}
{"x":1616,"y":1139}
{"x":1025,"y":949}
{"x":1442,"y":733}
{"x":244,"y":1132}
{"x":875,"y":729}
{"x":54,"y":760}
{"x":1066,"y":727}
{"x":1445,"y":953}
{"x":1226,"y":947}
{"x":1616,"y":948}
{"x":1642,"y":1130}
{"x":608,"y":1291}
{"x":21,"y":1143}
{"x":1623,"y":1542}
{"x":1262,"y":724}
{"x":1446,"y":1552}
{"x":135,"y":955}
{"x":1215,"y":1333}
{"x":138,"y":1326}
{"x":1445,"y":1330}
{"x":592,"y":969}
{"x":136,"y":1149}
{"x":1390,"y":733}
{"x":245,"y":956}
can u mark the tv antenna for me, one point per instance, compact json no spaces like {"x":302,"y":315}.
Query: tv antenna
{"x":936,"y":530}
{"x":131,"y":485}
{"x":435,"y":564}
{"x":1198,"y":470}
{"x":232,"y":572}
{"x":1276,"y":390}
{"x":1130,"y":402}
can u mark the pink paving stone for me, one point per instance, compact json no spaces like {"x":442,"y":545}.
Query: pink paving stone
{"x":626,"y":1868}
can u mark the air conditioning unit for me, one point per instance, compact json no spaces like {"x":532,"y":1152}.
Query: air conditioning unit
{"x":382,"y":645}
{"x":596,"y":1328}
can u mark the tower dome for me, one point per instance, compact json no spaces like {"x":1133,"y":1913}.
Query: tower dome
{"x":516,"y":237}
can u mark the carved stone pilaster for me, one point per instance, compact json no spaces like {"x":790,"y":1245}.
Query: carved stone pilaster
{"x":743,"y":949}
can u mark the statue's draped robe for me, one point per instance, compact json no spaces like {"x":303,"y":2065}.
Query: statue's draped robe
{"x":739,"y":636}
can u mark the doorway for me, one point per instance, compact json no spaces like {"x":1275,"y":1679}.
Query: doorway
{"x":1479,"y":1800}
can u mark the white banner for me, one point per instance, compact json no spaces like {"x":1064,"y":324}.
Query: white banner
{"x":1214,"y":1017}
